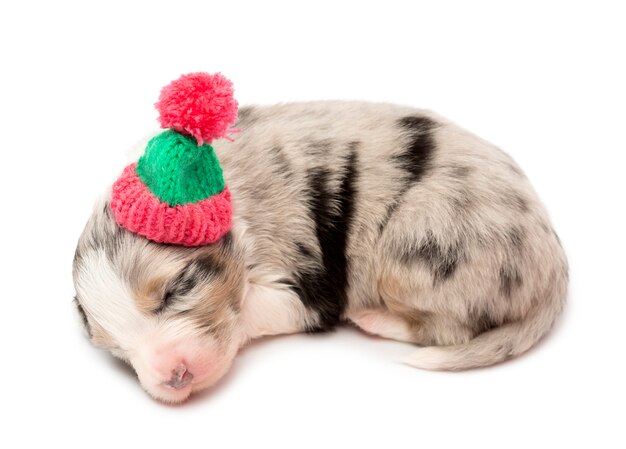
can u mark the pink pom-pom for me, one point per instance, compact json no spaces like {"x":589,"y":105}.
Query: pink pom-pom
{"x":198,"y":104}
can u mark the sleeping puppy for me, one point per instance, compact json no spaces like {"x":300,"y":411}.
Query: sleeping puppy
{"x":387,"y":217}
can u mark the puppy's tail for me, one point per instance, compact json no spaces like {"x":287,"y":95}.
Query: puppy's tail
{"x":496,"y":345}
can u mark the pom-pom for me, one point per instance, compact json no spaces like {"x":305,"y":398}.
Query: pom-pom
{"x":198,"y":104}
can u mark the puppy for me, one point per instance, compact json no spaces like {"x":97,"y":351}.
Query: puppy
{"x":387,"y":217}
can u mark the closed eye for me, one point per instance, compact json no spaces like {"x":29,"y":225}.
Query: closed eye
{"x":197,"y":272}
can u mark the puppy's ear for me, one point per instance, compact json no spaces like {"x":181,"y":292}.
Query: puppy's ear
{"x":82,"y":317}
{"x":96,"y":334}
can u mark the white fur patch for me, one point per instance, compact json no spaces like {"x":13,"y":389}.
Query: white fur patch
{"x":109,"y":300}
{"x":271,"y":311}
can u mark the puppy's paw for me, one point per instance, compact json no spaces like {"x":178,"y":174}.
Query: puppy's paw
{"x":382,"y":323}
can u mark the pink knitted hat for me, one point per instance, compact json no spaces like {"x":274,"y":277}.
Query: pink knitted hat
{"x":175,"y":193}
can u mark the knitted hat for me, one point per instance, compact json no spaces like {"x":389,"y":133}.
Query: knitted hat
{"x":175,"y":193}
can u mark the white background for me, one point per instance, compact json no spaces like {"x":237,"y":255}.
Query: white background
{"x":543,"y":80}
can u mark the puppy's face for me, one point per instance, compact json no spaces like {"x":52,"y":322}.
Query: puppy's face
{"x":171,"y":312}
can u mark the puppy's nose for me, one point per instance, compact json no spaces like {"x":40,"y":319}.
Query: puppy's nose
{"x":180,"y":377}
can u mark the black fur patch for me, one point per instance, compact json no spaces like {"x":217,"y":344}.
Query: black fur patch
{"x":324,"y":289}
{"x":414,"y":160}
{"x":418,"y":153}
{"x":510,"y":280}
{"x":442,"y":261}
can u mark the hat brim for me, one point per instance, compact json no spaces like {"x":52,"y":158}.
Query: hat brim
{"x":137,"y":209}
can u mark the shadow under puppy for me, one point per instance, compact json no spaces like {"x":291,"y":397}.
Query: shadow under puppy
{"x":386,"y":216}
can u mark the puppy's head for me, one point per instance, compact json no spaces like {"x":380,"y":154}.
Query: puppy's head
{"x":171,"y":312}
